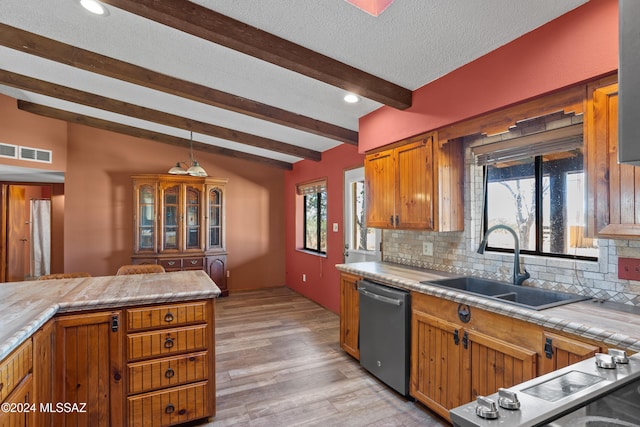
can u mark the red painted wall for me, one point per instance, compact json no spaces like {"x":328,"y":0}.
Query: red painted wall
{"x":577,"y":46}
{"x":323,"y":280}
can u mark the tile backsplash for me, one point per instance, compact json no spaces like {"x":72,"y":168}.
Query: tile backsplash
{"x":455,"y":252}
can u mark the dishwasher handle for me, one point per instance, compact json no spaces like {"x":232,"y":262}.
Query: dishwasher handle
{"x":380,"y":298}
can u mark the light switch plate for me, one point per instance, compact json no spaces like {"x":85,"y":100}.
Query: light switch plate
{"x":335,"y":227}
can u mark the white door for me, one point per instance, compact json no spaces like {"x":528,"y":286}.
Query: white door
{"x":360,"y":243}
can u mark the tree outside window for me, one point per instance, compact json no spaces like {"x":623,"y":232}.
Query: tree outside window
{"x":315,"y":222}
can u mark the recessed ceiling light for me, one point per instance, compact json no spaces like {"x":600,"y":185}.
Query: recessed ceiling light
{"x":351,"y":98}
{"x":95,"y":7}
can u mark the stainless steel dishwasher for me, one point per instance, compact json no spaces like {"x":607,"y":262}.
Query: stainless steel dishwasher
{"x":385,"y":321}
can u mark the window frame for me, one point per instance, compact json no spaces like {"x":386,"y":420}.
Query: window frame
{"x":318,"y":249}
{"x":539,"y":212}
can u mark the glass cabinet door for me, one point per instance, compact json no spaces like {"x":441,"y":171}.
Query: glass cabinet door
{"x":193,"y":218}
{"x":171,"y":204}
{"x":214,"y":234}
{"x":146,"y":218}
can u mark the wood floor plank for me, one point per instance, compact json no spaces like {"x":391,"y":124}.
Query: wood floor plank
{"x":279,"y":363}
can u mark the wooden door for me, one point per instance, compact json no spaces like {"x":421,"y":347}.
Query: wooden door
{"x":493,"y":363}
{"x":379,"y":179}
{"x":613,"y":190}
{"x":349,"y":314}
{"x":89,"y":364}
{"x":559,"y":352}
{"x":436,"y":363}
{"x":414,"y":185}
{"x":17,"y":235}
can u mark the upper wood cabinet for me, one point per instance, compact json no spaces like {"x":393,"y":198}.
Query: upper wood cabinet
{"x":613,"y":192}
{"x":416,"y":184}
{"x":179,"y":222}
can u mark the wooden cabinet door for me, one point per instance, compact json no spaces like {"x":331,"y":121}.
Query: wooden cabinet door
{"x":217,"y":270}
{"x":89,"y":364}
{"x":436,"y":363}
{"x":349,"y":314}
{"x":414,"y":185}
{"x":493,"y":363}
{"x":43,"y":369}
{"x":559,"y":352}
{"x":380,"y":178}
{"x":22,"y":394}
{"x":613,"y":189}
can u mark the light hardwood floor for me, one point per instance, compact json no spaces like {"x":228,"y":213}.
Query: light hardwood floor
{"x":279,"y":363}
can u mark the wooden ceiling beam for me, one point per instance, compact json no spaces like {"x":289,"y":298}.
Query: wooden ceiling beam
{"x":120,"y":107}
{"x":81,"y":119}
{"x":24,"y":41}
{"x":207,"y":24}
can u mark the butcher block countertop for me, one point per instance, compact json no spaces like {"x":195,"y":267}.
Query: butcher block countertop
{"x":603,"y":322}
{"x":26,"y":306}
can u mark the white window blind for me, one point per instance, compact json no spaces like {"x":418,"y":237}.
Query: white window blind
{"x":311,"y":187}
{"x":538,"y":144}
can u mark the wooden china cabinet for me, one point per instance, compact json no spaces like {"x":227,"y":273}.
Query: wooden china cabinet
{"x":179,"y":223}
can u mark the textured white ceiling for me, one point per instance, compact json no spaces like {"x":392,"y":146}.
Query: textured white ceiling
{"x":411,"y":43}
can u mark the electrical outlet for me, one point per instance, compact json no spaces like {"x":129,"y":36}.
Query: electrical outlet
{"x":629,"y":268}
{"x":228,"y":273}
{"x":304,"y":277}
{"x":427,"y":248}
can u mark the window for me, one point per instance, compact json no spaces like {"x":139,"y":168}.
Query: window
{"x":537,"y":189}
{"x":314,"y":216}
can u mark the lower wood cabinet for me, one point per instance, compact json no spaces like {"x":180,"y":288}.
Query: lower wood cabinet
{"x":349,"y":314}
{"x":22,"y":412}
{"x":560,"y":351}
{"x":16,"y":387}
{"x":459,"y":352}
{"x":170,"y":363}
{"x":43,"y":371}
{"x":89,"y":362}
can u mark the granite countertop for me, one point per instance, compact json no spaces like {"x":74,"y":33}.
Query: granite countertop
{"x":587,"y":319}
{"x":26,"y":306}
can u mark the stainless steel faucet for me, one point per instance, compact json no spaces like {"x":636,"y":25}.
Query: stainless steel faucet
{"x":517,"y":277}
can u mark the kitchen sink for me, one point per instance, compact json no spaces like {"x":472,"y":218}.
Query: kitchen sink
{"x":533,"y":298}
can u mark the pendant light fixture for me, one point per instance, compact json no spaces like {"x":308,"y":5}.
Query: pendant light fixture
{"x":193,"y":168}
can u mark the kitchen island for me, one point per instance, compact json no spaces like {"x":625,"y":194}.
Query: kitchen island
{"x":114,"y":350}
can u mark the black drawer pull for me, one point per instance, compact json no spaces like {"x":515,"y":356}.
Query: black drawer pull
{"x":169,"y":373}
{"x":168,"y":317}
{"x":169,"y":409}
{"x":168,"y":342}
{"x":182,"y":411}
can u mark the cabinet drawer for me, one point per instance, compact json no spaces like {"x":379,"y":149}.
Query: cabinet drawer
{"x":171,"y":264}
{"x":169,"y":407}
{"x":193,"y":263}
{"x":167,"y":342}
{"x":168,"y":372}
{"x":166,"y":315}
{"x":14,"y":368}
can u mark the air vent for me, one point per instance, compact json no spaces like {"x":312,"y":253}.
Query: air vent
{"x":35,"y":154}
{"x":8,"y":150}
